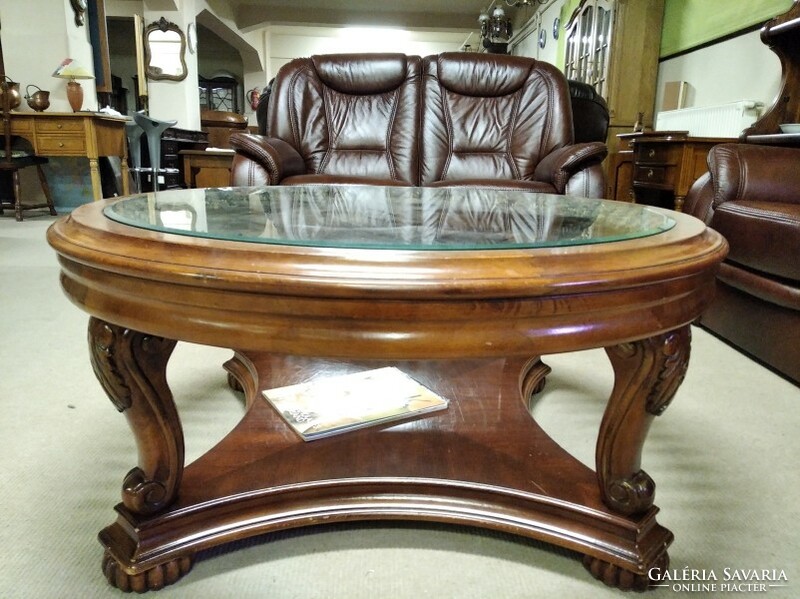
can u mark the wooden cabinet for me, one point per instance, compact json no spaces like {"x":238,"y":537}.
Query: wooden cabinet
{"x":664,"y":165}
{"x":614,"y":45}
{"x":220,"y":93}
{"x":620,"y":172}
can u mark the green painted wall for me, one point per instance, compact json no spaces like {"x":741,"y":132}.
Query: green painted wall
{"x":690,"y":23}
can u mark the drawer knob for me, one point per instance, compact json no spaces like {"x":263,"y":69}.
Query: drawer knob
{"x":59,"y":126}
{"x":651,"y":153}
{"x":650,"y":173}
{"x":61,"y":144}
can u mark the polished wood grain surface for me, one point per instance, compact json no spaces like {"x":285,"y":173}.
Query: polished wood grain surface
{"x":468,"y":323}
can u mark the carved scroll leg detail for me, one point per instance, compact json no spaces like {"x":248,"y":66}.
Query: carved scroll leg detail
{"x":533,"y":378}
{"x":647,"y":375}
{"x":131,"y":367}
{"x":614,"y":576}
{"x":153,"y":579}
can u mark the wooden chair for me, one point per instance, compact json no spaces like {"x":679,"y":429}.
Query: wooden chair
{"x":12,"y":159}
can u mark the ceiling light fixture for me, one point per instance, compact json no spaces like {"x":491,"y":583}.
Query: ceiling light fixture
{"x":496,"y":26}
{"x":526,"y":3}
{"x":495,"y":30}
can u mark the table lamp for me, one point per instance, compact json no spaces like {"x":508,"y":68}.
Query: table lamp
{"x":69,"y":69}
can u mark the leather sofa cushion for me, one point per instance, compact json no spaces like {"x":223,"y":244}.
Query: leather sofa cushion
{"x":375,"y":74}
{"x":492,"y":120}
{"x":458,"y":73}
{"x":752,"y":283}
{"x":348,"y":114}
{"x":763,"y":236}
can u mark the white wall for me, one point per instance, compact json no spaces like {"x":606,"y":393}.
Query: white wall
{"x":32,"y":51}
{"x":286,"y":43}
{"x":742,"y":68}
{"x":525,"y":42}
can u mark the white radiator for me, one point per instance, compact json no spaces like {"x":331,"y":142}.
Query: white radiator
{"x":724,"y":120}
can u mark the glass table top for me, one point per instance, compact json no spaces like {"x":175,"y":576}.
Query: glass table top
{"x":410,"y":218}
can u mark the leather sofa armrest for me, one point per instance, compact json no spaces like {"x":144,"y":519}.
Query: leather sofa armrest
{"x":700,"y":199}
{"x":754,"y":173}
{"x":557,"y":167}
{"x":277,"y":158}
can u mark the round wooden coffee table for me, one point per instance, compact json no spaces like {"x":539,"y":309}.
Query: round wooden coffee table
{"x":462,"y":289}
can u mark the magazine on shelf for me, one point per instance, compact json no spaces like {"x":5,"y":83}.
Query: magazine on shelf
{"x":337,"y":404}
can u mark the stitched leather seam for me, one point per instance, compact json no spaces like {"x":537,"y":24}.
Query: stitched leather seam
{"x":389,"y":130}
{"x":293,"y":112}
{"x":332,"y":140}
{"x":769,"y":215}
{"x":510,"y":133}
{"x":448,"y":123}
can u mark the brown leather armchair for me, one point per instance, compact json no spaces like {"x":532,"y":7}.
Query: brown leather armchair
{"x":391,"y":119}
{"x":752,"y":197}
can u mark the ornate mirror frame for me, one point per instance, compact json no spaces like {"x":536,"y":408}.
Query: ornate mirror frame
{"x":152,"y":71}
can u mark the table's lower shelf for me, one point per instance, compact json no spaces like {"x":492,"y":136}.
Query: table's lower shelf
{"x":482,"y":462}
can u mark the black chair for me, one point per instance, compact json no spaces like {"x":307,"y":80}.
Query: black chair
{"x":589,"y":112}
{"x":261,"y":109}
{"x":14,"y":156}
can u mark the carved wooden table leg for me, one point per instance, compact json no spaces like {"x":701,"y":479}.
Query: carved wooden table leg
{"x":131,"y":367}
{"x":534,"y":376}
{"x":647,"y":375}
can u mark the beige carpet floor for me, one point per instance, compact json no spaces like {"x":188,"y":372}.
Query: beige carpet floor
{"x":724,"y":457}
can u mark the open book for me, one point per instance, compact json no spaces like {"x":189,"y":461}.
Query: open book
{"x":341,"y":403}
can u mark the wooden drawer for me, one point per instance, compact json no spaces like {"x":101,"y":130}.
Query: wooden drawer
{"x":65,"y":145}
{"x":59,"y":125}
{"x":657,"y":153}
{"x":21,"y":126}
{"x":655,"y":176}
{"x":170,"y":146}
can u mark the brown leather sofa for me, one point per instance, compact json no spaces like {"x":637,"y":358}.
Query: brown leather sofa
{"x":450,"y":119}
{"x":751,"y":195}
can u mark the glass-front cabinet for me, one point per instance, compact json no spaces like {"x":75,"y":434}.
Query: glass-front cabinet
{"x":613,"y":45}
{"x":589,"y":34}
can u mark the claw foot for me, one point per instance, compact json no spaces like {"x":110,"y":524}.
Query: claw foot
{"x":150,"y":580}
{"x":614,"y":576}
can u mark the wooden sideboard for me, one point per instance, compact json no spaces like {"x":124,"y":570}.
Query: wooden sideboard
{"x":207,"y":168}
{"x":76,"y":134}
{"x":660,"y":163}
{"x":174,"y":141}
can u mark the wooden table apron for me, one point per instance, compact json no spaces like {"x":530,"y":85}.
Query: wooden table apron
{"x":145,"y":290}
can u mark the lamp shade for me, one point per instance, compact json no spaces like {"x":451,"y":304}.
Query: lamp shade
{"x":69,"y":69}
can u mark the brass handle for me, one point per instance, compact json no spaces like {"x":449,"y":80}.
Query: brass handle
{"x":59,"y":126}
{"x":61,"y":144}
{"x":651,"y":153}
{"x":650,"y":173}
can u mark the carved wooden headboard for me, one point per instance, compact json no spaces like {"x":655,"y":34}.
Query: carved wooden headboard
{"x":782,"y":35}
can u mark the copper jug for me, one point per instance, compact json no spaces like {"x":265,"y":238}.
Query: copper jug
{"x":13,"y":92}
{"x":39,"y":100}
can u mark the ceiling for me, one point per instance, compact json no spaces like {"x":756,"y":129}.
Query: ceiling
{"x":440,"y":15}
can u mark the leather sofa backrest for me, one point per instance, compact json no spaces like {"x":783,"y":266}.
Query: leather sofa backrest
{"x":756,"y":173}
{"x":490,"y":116}
{"x":349,"y":113}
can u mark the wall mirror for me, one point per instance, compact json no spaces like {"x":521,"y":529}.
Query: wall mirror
{"x":165,"y":51}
